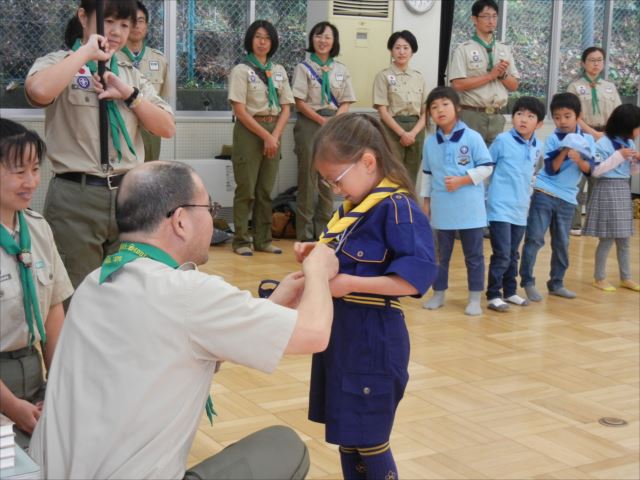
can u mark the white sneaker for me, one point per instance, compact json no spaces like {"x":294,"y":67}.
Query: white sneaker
{"x":576,"y":232}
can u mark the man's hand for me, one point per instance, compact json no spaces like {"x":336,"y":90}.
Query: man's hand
{"x":302,"y":249}
{"x":289,"y":291}
{"x":321,"y":260}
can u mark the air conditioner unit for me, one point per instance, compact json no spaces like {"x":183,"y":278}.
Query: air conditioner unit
{"x":217,"y":176}
{"x":365,"y":26}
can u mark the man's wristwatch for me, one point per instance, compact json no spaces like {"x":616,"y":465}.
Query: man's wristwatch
{"x":503,"y":76}
{"x":131,"y":99}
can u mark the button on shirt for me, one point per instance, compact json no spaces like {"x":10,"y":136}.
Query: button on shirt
{"x":50,"y":278}
{"x":308,"y":89}
{"x":454,"y":155}
{"x":470,"y":59}
{"x":403,"y":92}
{"x":246,"y":87}
{"x":71,"y":121}
{"x":563,"y":183}
{"x":509,"y":192}
{"x":607,"y":147}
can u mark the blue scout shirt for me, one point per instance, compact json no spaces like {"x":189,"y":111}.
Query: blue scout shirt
{"x":394,"y":237}
{"x":510,"y":189}
{"x":606,"y":147}
{"x":563,"y":183}
{"x":455,"y":155}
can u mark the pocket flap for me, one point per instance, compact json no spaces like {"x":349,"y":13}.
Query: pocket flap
{"x":372,"y":253}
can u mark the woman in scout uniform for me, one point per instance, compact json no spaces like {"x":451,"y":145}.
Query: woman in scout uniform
{"x":152,"y":65}
{"x":81,"y":197}
{"x":261,"y":100}
{"x":322,"y":88}
{"x":33,"y":281}
{"x":399,"y":94}
{"x":598,"y":98}
{"x":384,"y":246}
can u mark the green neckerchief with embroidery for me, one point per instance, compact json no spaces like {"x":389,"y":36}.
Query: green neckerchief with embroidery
{"x":346,"y":215}
{"x":487,"y":46}
{"x":272,"y":93}
{"x":135,"y":59}
{"x":326,"y":84}
{"x":118,"y":127}
{"x":25,"y":260}
{"x":130,"y":251}
{"x":595,"y":102}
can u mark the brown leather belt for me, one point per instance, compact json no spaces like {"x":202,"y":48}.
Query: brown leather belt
{"x":487,"y":110}
{"x":266,"y":118}
{"x":111,"y":181}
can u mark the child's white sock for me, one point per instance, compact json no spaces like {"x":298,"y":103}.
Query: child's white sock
{"x":473,"y":307}
{"x":517,"y":300}
{"x":436,"y":301}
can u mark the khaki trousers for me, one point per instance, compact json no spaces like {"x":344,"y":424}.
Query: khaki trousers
{"x":314,"y":203}
{"x":255,"y":177}
{"x":152,"y":146}
{"x":411,"y":156}
{"x":489,"y":126}
{"x":83,"y":221}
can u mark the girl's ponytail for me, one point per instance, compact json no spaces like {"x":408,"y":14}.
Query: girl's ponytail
{"x":73,"y":31}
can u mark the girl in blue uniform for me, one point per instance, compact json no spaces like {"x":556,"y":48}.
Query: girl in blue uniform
{"x":385,"y":249}
{"x":609,"y":212}
{"x":455,"y":163}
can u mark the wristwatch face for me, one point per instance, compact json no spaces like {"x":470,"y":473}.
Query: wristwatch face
{"x":419,"y":6}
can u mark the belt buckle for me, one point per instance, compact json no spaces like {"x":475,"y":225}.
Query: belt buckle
{"x":109,"y":186}
{"x":490,"y":110}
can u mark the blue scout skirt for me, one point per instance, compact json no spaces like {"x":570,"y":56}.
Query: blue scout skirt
{"x":358,"y":381}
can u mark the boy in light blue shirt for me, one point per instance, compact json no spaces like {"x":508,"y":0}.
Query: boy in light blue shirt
{"x":515,"y":154}
{"x":566,"y":158}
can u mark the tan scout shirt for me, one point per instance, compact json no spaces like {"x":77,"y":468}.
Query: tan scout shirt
{"x":51,"y":280}
{"x":470,"y":59}
{"x":175,"y":326}
{"x":608,"y":99}
{"x":404,"y":93}
{"x":153,"y":66}
{"x":308,"y":89}
{"x":72,"y":127}
{"x":246,"y":87}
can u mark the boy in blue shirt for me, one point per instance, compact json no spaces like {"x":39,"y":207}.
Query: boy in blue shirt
{"x":568,"y":154}
{"x":515,"y":154}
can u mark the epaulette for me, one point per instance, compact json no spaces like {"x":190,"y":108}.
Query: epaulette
{"x":402,"y":208}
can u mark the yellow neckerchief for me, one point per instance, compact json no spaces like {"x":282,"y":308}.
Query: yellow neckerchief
{"x":346,"y":215}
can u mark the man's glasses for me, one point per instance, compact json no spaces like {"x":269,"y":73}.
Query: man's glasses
{"x":213,"y":207}
{"x":487,"y":18}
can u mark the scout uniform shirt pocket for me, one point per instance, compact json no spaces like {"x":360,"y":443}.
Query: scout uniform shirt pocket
{"x":43,"y":273}
{"x":367,"y":397}
{"x":81,"y":91}
{"x":10,"y":285}
{"x":366,"y":256}
{"x":337,"y":84}
{"x":476,"y":62}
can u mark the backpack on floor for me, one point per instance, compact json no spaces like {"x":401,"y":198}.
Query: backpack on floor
{"x":283,"y":217}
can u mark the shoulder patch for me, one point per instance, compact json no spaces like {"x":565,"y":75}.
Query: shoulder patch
{"x":33,"y":213}
{"x":401,"y":208}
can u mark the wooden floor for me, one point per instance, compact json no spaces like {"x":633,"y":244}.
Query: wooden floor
{"x":512,"y":395}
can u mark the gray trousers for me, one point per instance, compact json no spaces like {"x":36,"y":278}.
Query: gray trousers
{"x":269,"y":454}
{"x":622,"y":251}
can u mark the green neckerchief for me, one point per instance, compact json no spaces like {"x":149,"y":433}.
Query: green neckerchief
{"x":29,"y":294}
{"x":271,"y":88}
{"x":118,"y":127}
{"x":326,"y":84}
{"x":130,"y":251}
{"x":487,"y":46}
{"x":135,"y":59}
{"x":595,"y":102}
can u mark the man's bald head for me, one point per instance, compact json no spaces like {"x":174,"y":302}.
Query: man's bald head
{"x":151,"y":190}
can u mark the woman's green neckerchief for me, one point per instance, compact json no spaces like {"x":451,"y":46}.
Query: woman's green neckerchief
{"x":326,"y":84}
{"x":130,"y":251}
{"x":271,"y":88}
{"x":25,"y":260}
{"x":488,"y":47}
{"x":595,"y":102}
{"x":135,"y":59}
{"x":118,"y":127}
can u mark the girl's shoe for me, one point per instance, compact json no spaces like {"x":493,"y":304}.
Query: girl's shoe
{"x":604,"y":285}
{"x":630,"y":284}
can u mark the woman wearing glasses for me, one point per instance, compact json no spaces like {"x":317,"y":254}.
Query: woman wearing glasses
{"x":261,"y":100}
{"x":598,"y":98}
{"x":322,"y":89}
{"x":399,"y":95}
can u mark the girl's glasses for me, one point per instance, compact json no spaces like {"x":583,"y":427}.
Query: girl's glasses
{"x":336,"y":183}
